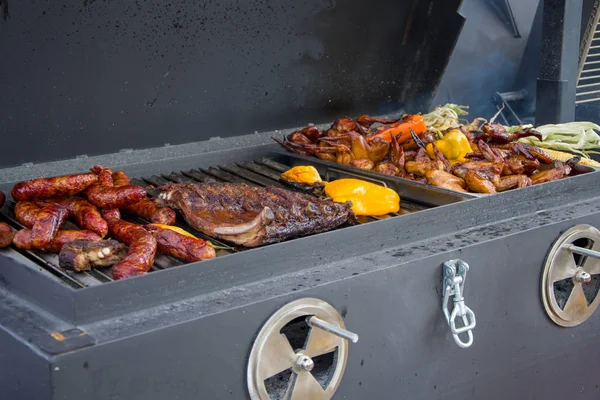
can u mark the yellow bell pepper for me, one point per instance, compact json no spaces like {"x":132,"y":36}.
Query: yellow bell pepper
{"x":302,"y":174}
{"x":454,"y":146}
{"x":174,"y":229}
{"x":367,"y":198}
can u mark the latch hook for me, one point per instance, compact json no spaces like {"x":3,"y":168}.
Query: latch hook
{"x":455,"y":273}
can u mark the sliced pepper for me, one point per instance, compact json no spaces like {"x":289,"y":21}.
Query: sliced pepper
{"x":302,"y":174}
{"x":454,"y":146}
{"x":174,"y":229}
{"x":367,"y":198}
{"x":401,"y":129}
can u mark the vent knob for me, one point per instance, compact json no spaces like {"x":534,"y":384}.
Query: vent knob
{"x":571,"y":276}
{"x":299,"y":353}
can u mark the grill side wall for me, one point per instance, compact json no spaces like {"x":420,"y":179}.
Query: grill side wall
{"x":405,"y":347}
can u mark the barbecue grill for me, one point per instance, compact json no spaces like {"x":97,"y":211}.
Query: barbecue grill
{"x":379,"y":309}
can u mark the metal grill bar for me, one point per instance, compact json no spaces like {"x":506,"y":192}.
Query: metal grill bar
{"x":49,"y":261}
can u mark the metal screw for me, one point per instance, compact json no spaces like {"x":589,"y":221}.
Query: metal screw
{"x":582,"y":277}
{"x":333,"y":329}
{"x":305,"y":362}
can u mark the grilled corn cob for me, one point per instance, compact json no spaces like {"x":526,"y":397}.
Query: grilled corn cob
{"x":562,"y":156}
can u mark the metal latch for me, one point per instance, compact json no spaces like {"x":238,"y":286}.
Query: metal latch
{"x":455,"y":273}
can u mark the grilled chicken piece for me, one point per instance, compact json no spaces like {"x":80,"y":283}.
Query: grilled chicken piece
{"x":446,"y":180}
{"x":387,"y":168}
{"x":362,"y":163}
{"x":488,"y":169}
{"x":560,"y":171}
{"x":531,"y":152}
{"x":83,"y":254}
{"x":518,"y":164}
{"x":489,"y":153}
{"x":513,"y":181}
{"x":252,"y":216}
{"x":421,"y":168}
{"x":441,"y":159}
{"x":478,"y":182}
{"x":497,"y":133}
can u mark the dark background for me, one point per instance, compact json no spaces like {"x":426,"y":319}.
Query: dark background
{"x":93,"y":77}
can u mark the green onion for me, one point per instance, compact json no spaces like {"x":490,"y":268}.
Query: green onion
{"x":444,"y":117}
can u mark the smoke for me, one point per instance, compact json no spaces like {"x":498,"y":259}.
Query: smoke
{"x":486,"y":58}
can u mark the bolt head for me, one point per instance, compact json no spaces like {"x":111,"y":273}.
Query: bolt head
{"x":583,"y":277}
{"x":305,"y":363}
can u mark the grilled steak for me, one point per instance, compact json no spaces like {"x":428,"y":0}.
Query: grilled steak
{"x":82,"y":254}
{"x":251,"y":216}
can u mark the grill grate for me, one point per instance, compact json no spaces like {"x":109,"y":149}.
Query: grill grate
{"x":263,"y":172}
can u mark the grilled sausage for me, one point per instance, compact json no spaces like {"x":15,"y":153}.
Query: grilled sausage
{"x":142,"y":246}
{"x":139,"y":258}
{"x":26,"y":213}
{"x":2,"y":198}
{"x":114,"y":197}
{"x":47,"y":223}
{"x":66,"y":185}
{"x":145,"y":208}
{"x":183,"y":247}
{"x":111,"y":215}
{"x":120,"y":178}
{"x":23,"y":239}
{"x":82,"y":254}
{"x":6,"y":235}
{"x":86,"y":215}
{"x":152,"y":212}
{"x":103,"y":194}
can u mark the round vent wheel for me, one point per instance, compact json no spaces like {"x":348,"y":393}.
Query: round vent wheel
{"x":570,"y":279}
{"x":292,"y":360}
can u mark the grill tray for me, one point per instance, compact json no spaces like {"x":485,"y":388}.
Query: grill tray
{"x":263,"y":172}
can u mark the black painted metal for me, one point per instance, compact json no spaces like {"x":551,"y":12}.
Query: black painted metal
{"x":555,"y":96}
{"x":197,"y":347}
{"x":91,"y":77}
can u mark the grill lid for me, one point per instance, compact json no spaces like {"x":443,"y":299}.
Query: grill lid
{"x":93,"y":78}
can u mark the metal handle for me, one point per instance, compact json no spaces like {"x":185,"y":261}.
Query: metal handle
{"x":333,"y":329}
{"x":583,"y":251}
{"x":455,"y":273}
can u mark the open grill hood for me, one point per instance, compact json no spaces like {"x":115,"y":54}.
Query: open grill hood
{"x":95,"y":78}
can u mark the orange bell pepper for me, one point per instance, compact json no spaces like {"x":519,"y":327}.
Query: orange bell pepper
{"x":401,"y":129}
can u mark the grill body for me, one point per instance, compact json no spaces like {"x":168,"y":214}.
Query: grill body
{"x":90,"y":77}
{"x":186,"y":332}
